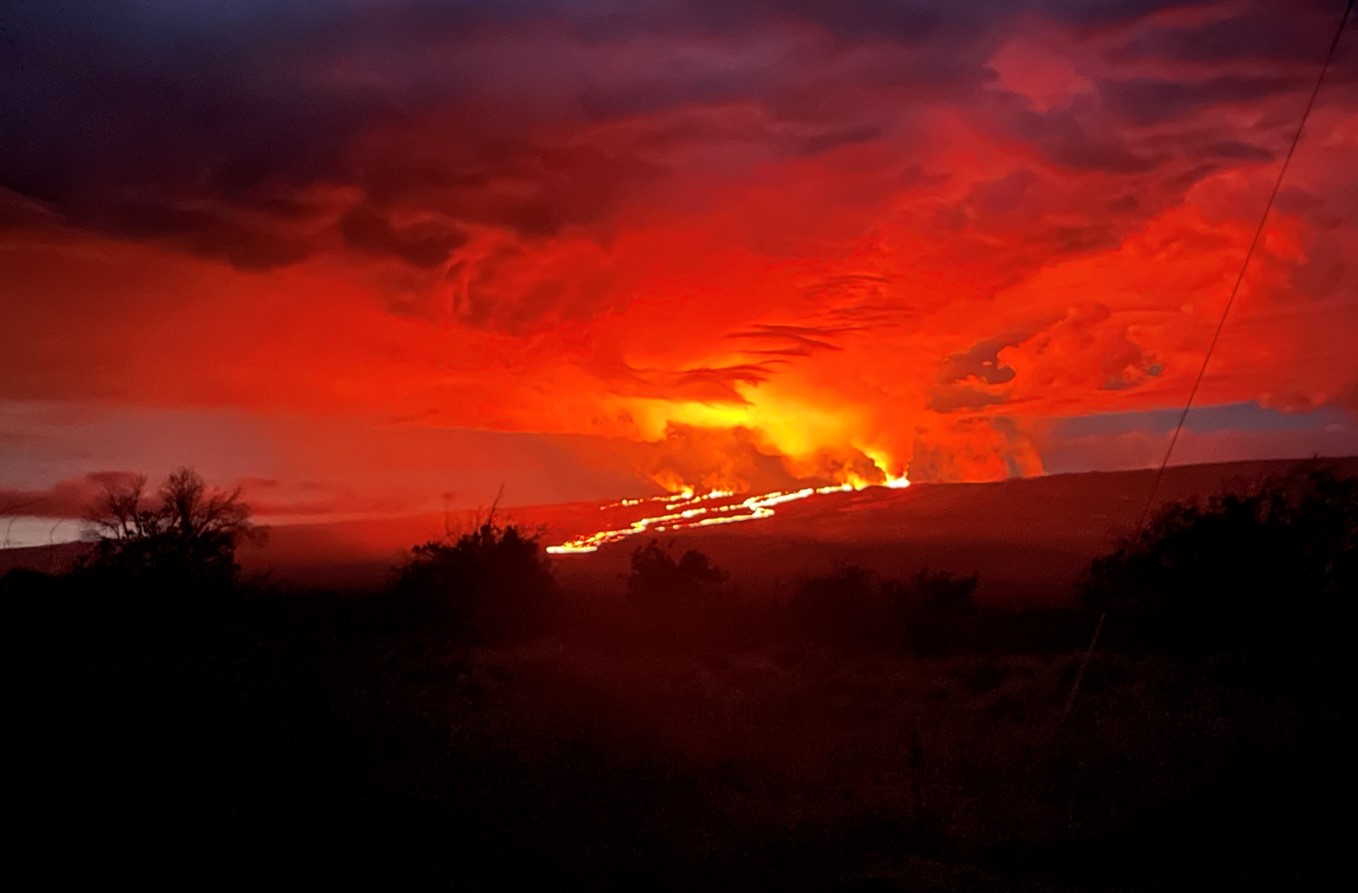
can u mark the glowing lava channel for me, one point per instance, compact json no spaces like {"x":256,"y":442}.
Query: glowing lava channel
{"x":684,"y":510}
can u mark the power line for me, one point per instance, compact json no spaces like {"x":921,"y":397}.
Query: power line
{"x":1216,"y":336}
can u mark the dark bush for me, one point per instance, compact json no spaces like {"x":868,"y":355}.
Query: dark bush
{"x":658,"y":580}
{"x":934,"y":613}
{"x":845,"y":607}
{"x":490,"y":584}
{"x":1275,"y":566}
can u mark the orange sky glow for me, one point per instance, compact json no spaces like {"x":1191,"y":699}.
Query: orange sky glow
{"x":368,"y":258}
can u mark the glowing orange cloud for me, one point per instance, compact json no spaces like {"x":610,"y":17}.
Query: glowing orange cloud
{"x":755,"y":250}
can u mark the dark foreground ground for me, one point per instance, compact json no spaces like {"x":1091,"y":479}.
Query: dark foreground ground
{"x":310,"y":738}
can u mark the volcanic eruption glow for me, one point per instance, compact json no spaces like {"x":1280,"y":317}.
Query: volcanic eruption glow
{"x":564,"y":248}
{"x":685,"y":510}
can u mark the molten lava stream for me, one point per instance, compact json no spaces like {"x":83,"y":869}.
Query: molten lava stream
{"x":684,"y":510}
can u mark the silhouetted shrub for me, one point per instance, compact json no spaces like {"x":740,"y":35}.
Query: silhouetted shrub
{"x":490,"y":584}
{"x":658,"y":580}
{"x":1273,"y":567}
{"x":846,"y":607}
{"x":934,"y":613}
{"x":183,"y":538}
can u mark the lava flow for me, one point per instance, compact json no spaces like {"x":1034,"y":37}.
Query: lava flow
{"x":685,"y":509}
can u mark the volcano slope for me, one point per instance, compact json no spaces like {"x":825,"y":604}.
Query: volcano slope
{"x":1027,"y":538}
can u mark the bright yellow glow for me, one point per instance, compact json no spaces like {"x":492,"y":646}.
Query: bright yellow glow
{"x":792,"y":425}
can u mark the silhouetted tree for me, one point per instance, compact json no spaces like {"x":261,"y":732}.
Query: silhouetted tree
{"x":658,"y":580}
{"x":934,"y":612}
{"x":185,"y":535}
{"x":1274,"y":566}
{"x":489,"y":584}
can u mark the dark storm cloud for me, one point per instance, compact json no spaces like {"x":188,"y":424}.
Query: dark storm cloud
{"x":127,"y":125}
{"x":424,"y":244}
{"x":929,"y":21}
{"x":1235,"y":150}
{"x":1145,"y":101}
{"x":1071,"y":136}
{"x":980,"y":362}
{"x":1281,"y":31}
{"x":968,"y":380}
{"x":246,"y":244}
{"x":529,"y":189}
{"x":873,"y":19}
{"x":180,"y":105}
{"x":212,"y":127}
{"x":185,"y":104}
{"x":1103,"y":13}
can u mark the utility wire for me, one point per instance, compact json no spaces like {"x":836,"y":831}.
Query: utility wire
{"x":1216,"y":336}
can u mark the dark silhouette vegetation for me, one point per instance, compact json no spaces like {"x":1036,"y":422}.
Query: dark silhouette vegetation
{"x":491,"y":583}
{"x":479,"y":723}
{"x":932,"y":613}
{"x":845,"y":607}
{"x":936,"y":612}
{"x":660,"y":581}
{"x":184,"y":536}
{"x":1269,"y":566}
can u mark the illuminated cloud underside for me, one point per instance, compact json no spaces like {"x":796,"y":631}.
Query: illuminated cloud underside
{"x":735,"y":246}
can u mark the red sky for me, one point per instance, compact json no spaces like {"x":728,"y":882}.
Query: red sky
{"x":370,"y":256}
